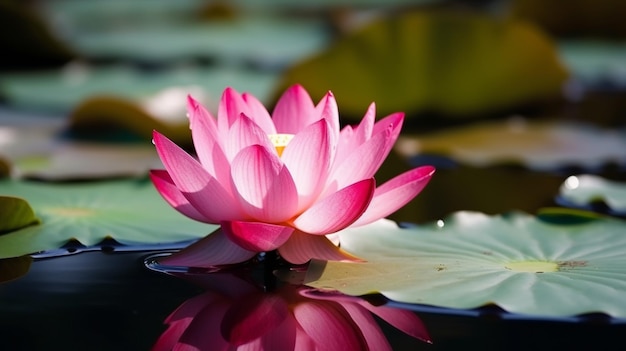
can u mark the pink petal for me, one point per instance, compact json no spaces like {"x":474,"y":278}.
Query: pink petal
{"x":207,"y":141}
{"x":230,"y":107}
{"x":375,"y":338}
{"x":393,"y":121}
{"x":396,"y":193}
{"x":365,"y":129}
{"x":362,"y":162}
{"x":243,"y":133}
{"x":257,"y":236}
{"x":406,"y":321}
{"x":180,"y":319}
{"x":281,"y":338}
{"x":338,"y":210}
{"x":258,"y":113}
{"x":213,"y":250}
{"x":168,"y":340}
{"x":329,"y":111}
{"x":294,"y":111}
{"x":190,"y":308}
{"x":308,"y":158}
{"x":168,"y":190}
{"x":265,"y":187}
{"x":203,"y":191}
{"x":204,"y":331}
{"x":301,"y":247}
{"x":303,"y":341}
{"x":251,"y":317}
{"x":350,"y":138}
{"x":203,"y":127}
{"x":330,"y":327}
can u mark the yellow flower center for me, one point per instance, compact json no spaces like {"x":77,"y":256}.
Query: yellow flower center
{"x":280,"y":141}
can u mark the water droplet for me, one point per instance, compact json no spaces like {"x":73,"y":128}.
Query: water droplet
{"x":572,"y":182}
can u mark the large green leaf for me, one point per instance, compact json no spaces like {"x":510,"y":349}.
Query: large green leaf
{"x":541,"y":145}
{"x":129,"y":211}
{"x":470,"y":259}
{"x":456,"y":63}
{"x":586,"y":189}
{"x":15,"y":213}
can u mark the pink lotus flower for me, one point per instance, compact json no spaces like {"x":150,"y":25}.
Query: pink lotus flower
{"x":283,"y":181}
{"x":235,"y":315}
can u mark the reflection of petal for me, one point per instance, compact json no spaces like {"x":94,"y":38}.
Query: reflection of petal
{"x":330,"y":327}
{"x":202,"y":333}
{"x":253,"y":317}
{"x":372,"y":333}
{"x":290,"y":318}
{"x":403,"y":320}
{"x":181,"y":319}
{"x":282,"y":338}
{"x":213,"y":250}
{"x":300,"y":248}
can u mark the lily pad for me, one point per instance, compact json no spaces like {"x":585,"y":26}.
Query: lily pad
{"x":129,"y":211}
{"x":456,"y":63}
{"x":538,"y":145}
{"x":84,"y":161}
{"x":583,"y":191}
{"x":469,"y":260}
{"x":15,"y":213}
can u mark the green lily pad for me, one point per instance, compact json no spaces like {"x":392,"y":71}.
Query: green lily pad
{"x":129,"y":211}
{"x":516,"y":261}
{"x":84,"y":161}
{"x":15,"y":213}
{"x":455,"y":63}
{"x":539,"y":145}
{"x":37,"y":151}
{"x":582,"y":191}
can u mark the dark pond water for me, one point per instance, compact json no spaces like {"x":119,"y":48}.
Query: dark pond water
{"x":108,"y":300}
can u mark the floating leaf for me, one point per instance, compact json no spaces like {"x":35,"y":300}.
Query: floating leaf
{"x":82,"y":161}
{"x":544,"y":145}
{"x":582,"y":191}
{"x":15,"y":213}
{"x":515,"y":261}
{"x":129,"y":211}
{"x":37,"y":151}
{"x":456,"y":63}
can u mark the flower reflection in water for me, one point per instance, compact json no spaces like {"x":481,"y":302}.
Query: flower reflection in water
{"x":236,"y":314}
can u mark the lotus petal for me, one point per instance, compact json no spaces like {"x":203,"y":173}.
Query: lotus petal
{"x":257,"y":236}
{"x":339,"y":209}
{"x":213,"y":250}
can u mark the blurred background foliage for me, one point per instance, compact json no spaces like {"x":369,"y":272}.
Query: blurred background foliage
{"x":111,"y":71}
